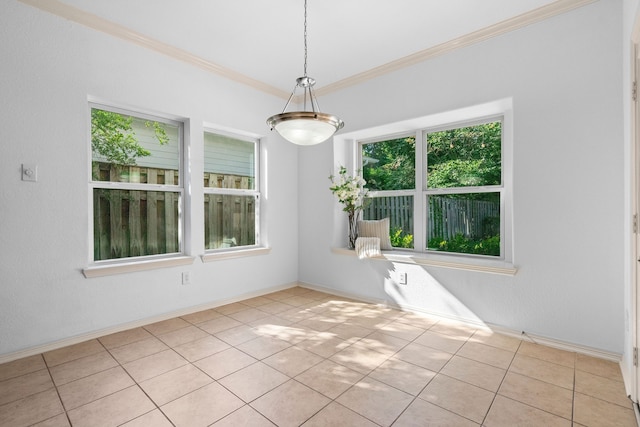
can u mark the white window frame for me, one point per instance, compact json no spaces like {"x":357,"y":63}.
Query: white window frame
{"x":414,"y":192}
{"x":481,"y":113}
{"x":99,"y":268}
{"x":462,"y":190}
{"x":256,"y":248}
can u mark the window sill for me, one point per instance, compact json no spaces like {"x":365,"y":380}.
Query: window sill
{"x":469,"y":264}
{"x":131,"y":267}
{"x":230,"y":254}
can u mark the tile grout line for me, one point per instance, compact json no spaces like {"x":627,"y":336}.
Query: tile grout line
{"x":188,"y":362}
{"x":573,"y":395}
{"x":335,"y":400}
{"x":136,"y":383}
{"x":64,"y":409}
{"x":331,"y":400}
{"x":428,"y":382}
{"x":501,"y":382}
{"x":440,"y":373}
{"x":535,"y":407}
{"x":268,"y":391}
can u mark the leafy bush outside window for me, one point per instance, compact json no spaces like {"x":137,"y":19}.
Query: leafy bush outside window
{"x":461,"y":183}
{"x":388,"y":167}
{"x":464,"y":183}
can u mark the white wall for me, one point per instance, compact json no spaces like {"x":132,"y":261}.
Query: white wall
{"x":563,"y":76}
{"x":49,"y":68}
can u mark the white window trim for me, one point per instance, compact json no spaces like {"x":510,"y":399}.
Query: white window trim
{"x":438,"y":260}
{"x":232,"y":253}
{"x":111,"y":268}
{"x":248,"y":250}
{"x":148,"y":262}
{"x":346,"y":152}
{"x":426,"y":192}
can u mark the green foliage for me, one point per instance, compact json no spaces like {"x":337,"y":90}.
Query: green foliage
{"x":463,"y":157}
{"x":462,"y":244}
{"x":113,"y":137}
{"x":390,"y":165}
{"x":459,"y":158}
{"x":400,"y":239}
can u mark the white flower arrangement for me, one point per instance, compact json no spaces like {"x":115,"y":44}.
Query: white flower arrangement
{"x":351,"y":193}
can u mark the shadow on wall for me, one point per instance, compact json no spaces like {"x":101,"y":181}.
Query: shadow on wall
{"x":412,"y":287}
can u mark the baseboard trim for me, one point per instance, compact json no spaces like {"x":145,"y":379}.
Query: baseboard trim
{"x":31,"y":351}
{"x":523,"y":335}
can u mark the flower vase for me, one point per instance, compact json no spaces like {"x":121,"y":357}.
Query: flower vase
{"x":353,"y":229}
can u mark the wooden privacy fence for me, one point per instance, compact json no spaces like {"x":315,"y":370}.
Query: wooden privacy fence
{"x":129,"y":223}
{"x":229,"y":220}
{"x":217,"y":180}
{"x":399,"y":210}
{"x":448,"y":217}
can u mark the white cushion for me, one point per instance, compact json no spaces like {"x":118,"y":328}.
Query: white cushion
{"x":378,"y":228}
{"x":367,"y":247}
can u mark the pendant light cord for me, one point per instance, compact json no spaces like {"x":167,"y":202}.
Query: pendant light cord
{"x":305,"y":38}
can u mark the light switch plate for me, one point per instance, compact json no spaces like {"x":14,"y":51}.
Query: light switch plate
{"x":29,"y":172}
{"x":186,"y":278}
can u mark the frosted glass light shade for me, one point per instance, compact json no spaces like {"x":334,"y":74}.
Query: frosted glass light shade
{"x":305,"y":127}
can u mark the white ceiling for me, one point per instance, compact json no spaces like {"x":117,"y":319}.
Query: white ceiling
{"x":263,"y":40}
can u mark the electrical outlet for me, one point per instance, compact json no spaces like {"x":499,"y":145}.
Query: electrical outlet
{"x":402,"y":278}
{"x":186,"y":278}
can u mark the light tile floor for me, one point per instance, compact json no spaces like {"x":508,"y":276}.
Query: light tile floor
{"x":302,"y":357}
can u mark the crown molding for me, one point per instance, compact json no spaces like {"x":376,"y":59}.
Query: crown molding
{"x":515,"y":23}
{"x":95,"y":22}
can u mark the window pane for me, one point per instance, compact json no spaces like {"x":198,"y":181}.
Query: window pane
{"x":228,"y":162}
{"x":131,"y":149}
{"x":464,"y":223}
{"x":389,"y":165}
{"x":464,"y":157}
{"x":399,"y":210}
{"x":229,"y":220}
{"x":130,"y":223}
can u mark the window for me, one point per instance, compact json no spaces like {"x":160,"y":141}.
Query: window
{"x":231,"y":199}
{"x":388,"y":167}
{"x":464,"y":189}
{"x":452,"y":183}
{"x":136,"y":183}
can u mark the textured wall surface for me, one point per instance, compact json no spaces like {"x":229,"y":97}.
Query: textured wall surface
{"x":564,"y":80}
{"x":50,"y":69}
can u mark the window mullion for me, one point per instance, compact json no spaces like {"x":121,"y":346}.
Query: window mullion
{"x":464,"y":190}
{"x":230,"y":192}
{"x":135,"y":186}
{"x":419,"y":202}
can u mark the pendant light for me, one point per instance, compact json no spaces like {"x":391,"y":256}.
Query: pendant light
{"x":305,"y":127}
